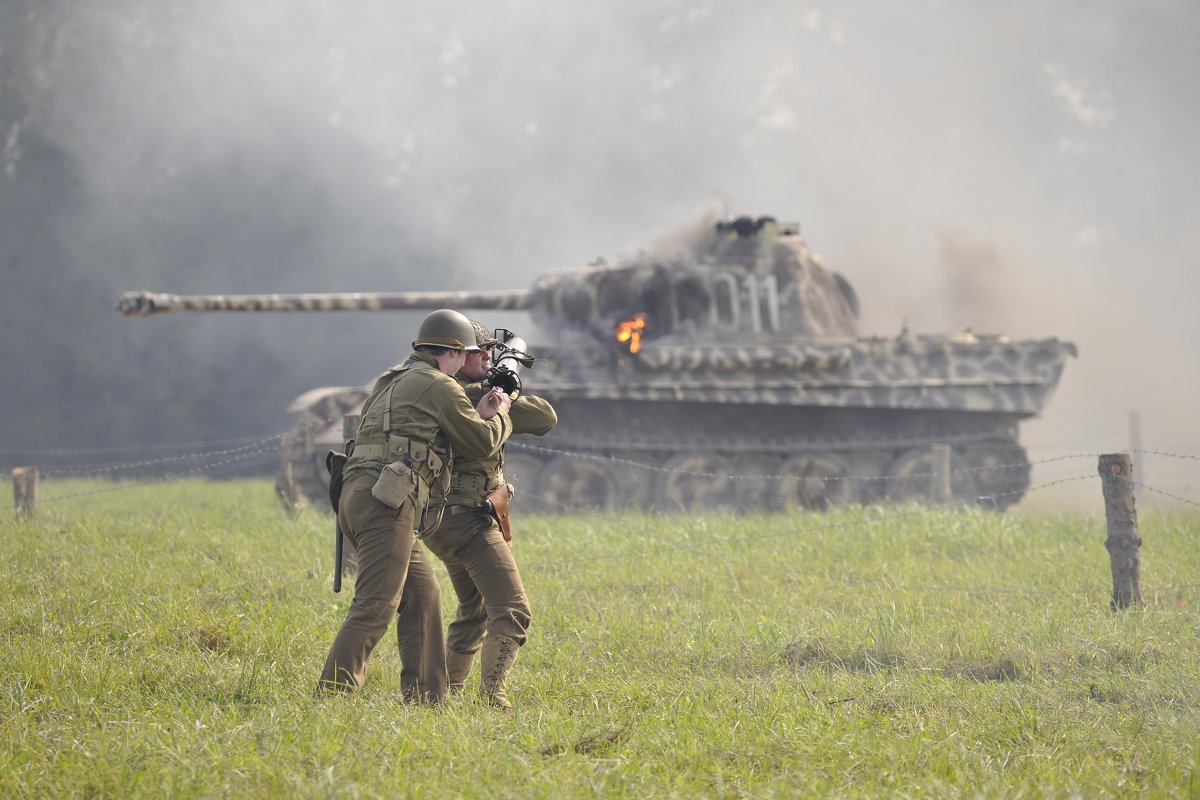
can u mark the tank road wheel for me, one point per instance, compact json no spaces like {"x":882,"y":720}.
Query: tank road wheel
{"x":286,"y":489}
{"x":302,"y":481}
{"x":696,"y":482}
{"x":521,"y":470}
{"x":912,"y":475}
{"x":756,"y":481}
{"x":316,"y":485}
{"x":815,"y":481}
{"x":572,"y":483}
{"x":1001,"y":471}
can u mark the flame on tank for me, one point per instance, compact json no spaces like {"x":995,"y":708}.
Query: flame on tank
{"x":630,"y":331}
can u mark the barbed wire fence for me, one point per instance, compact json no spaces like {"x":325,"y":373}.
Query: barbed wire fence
{"x":203,"y":459}
{"x":215,"y":458}
{"x":221,"y":458}
{"x":885,"y":478}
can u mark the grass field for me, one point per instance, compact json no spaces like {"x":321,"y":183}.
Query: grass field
{"x":164,"y":640}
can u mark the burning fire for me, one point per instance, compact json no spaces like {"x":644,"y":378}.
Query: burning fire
{"x":630,"y":330}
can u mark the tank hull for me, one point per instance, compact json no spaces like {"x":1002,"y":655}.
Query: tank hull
{"x":678,"y":428}
{"x":771,"y":428}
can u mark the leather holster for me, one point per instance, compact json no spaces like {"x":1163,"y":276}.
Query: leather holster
{"x":497,"y":502}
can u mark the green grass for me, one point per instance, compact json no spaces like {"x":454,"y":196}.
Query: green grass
{"x":164,"y":641}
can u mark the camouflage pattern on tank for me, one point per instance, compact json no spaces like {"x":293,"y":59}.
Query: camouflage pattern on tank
{"x":738,"y":283}
{"x":141,"y":304}
{"x":964,"y":372}
{"x":725,"y":373}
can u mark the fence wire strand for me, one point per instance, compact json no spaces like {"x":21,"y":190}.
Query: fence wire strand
{"x":209,"y":468}
{"x":234,"y":446}
{"x":86,"y":470}
{"x":1139,"y":485}
{"x":755,"y":476}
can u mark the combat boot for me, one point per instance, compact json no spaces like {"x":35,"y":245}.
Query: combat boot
{"x":458,"y":668}
{"x":496,"y":662}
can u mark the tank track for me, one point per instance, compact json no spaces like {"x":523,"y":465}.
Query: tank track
{"x":746,"y":475}
{"x":755,"y":475}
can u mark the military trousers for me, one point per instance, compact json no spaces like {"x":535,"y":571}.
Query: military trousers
{"x":419,"y":635}
{"x":393,"y":578}
{"x":491,"y":597}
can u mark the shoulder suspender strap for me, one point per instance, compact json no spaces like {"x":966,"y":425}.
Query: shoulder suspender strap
{"x":387,"y":408}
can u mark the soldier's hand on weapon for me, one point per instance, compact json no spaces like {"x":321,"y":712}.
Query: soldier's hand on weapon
{"x":492,"y":403}
{"x":503,"y":400}
{"x":497,"y":401}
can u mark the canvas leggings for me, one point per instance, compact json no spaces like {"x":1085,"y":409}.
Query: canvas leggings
{"x":393,"y":576}
{"x":491,"y":597}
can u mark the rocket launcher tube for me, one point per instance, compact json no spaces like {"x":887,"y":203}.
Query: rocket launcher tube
{"x":510,"y":356}
{"x":141,"y":304}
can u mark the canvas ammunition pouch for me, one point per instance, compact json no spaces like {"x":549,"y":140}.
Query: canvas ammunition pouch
{"x":395,"y":484}
{"x":429,"y":465}
{"x":335,"y":462}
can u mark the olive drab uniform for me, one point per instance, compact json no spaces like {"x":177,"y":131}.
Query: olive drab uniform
{"x":414,"y":421}
{"x":482,"y":570}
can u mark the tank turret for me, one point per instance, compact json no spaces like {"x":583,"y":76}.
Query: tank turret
{"x":757,"y":281}
{"x":679,"y":376}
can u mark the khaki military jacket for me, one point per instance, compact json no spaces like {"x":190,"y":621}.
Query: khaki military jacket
{"x":427,"y":407}
{"x":474,"y":477}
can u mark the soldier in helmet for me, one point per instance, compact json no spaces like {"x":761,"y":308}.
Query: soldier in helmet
{"x":493,"y":612}
{"x":416,"y":419}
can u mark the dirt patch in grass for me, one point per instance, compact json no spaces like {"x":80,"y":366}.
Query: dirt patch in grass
{"x":1001,"y":670}
{"x":817,"y":653}
{"x":213,"y":639}
{"x":597,"y":743}
{"x":806,"y":653}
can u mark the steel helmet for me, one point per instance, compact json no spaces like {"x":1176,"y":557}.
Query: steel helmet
{"x":446,"y":328}
{"x":483,"y":336}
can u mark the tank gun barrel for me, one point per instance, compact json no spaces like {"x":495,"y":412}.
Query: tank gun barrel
{"x":141,"y":303}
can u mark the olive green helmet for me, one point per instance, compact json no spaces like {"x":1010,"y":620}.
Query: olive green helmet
{"x":446,"y":328}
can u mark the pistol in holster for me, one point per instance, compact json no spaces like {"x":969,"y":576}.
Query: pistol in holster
{"x":496,"y":504}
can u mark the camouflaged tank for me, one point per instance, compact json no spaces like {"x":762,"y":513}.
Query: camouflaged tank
{"x":728,"y":375}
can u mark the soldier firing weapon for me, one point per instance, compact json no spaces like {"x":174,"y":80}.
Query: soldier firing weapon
{"x":510,"y":356}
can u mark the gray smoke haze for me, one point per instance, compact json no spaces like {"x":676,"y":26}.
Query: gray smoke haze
{"x":1018,"y":168}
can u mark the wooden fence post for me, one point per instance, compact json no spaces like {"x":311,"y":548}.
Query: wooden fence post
{"x":25,"y":489}
{"x":1116,"y":475}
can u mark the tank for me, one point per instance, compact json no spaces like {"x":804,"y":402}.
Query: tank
{"x":729,"y":373}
